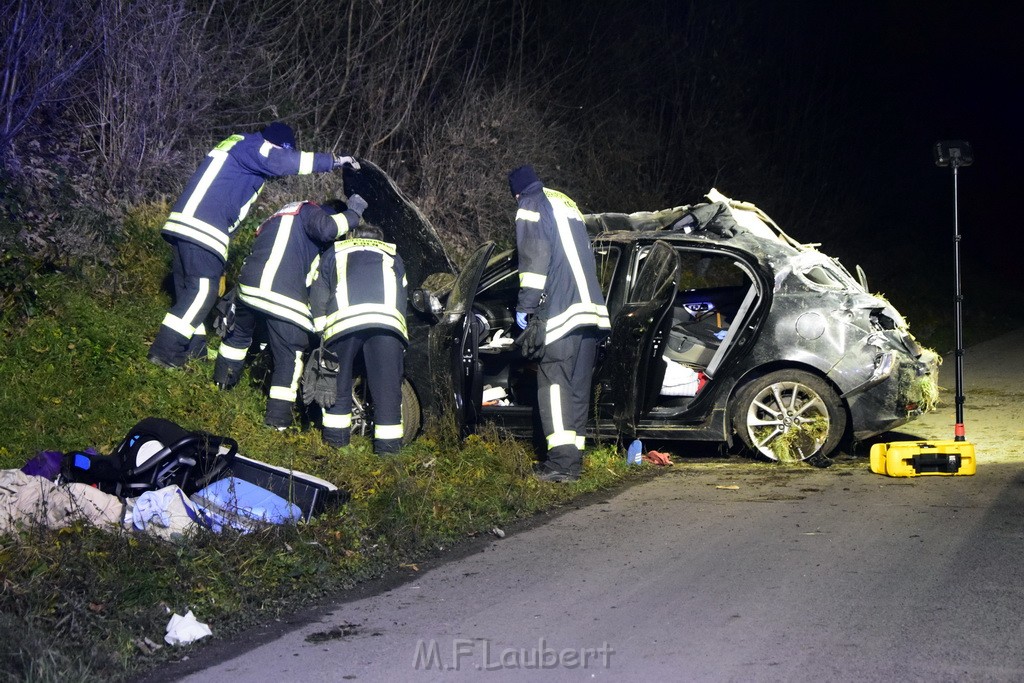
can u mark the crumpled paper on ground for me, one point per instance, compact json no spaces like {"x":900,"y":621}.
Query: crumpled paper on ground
{"x":182,"y":630}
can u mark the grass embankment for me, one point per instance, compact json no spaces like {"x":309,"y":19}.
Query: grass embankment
{"x":74,"y":603}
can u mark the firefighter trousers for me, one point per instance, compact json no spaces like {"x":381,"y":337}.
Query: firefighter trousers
{"x":384,"y":358}
{"x":564,"y":378}
{"x":196,"y":276}
{"x":288,"y":343}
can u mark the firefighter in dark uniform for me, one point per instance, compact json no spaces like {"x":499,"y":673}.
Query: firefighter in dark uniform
{"x":359,"y":302}
{"x":558,"y":293}
{"x":274,"y":286}
{"x":215,"y":201}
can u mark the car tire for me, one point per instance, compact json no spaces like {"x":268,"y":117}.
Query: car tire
{"x":362,"y":410}
{"x":812,"y":429}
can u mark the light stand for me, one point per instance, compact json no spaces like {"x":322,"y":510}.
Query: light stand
{"x":913,"y":458}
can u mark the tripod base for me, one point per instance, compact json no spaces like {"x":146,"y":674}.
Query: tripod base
{"x":917,"y":458}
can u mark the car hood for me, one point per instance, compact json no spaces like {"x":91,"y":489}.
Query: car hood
{"x":403,"y":223}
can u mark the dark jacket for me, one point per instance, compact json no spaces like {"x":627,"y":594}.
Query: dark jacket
{"x":220,"y":192}
{"x":555,"y":260}
{"x":277,"y":273}
{"x":360,"y":284}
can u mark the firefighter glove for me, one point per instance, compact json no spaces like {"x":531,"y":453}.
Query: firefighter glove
{"x":340,"y":161}
{"x":531,"y":341}
{"x":320,"y":378}
{"x":224,"y":313}
{"x":357,"y":204}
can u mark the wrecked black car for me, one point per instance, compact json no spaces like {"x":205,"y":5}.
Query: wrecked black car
{"x":723,"y":328}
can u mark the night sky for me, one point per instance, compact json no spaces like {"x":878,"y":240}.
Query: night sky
{"x":935,"y":71}
{"x":897,"y":76}
{"x":903,"y":75}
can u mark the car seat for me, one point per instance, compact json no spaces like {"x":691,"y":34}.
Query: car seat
{"x":155,"y":453}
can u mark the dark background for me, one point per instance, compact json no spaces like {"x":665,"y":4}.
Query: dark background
{"x":846,"y":100}
{"x":823,"y":114}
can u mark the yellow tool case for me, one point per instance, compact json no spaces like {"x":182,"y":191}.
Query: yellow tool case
{"x":917,"y":458}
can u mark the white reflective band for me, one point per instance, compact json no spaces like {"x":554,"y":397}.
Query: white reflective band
{"x":532,"y":280}
{"x":197,"y":304}
{"x":231,"y":353}
{"x":555,"y":397}
{"x":561,"y":439}
{"x":340,"y":321}
{"x":200,"y":231}
{"x":178,"y":325}
{"x":313,"y":270}
{"x":202,"y":187}
{"x":277,"y":305}
{"x":265,"y":149}
{"x":283,"y":393}
{"x":388,"y":431}
{"x":563,"y":212}
{"x":305,"y":163}
{"x":581,"y":441}
{"x":319,"y":323}
{"x":341,"y":291}
{"x":342,"y":220}
{"x":577,"y":315}
{"x":297,"y":373}
{"x":284,"y":231}
{"x":200,"y":330}
{"x":244,"y":211}
{"x":527,"y":215}
{"x":388,"y":281}
{"x":337,"y":421}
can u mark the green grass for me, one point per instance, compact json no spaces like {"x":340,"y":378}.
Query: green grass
{"x":74,"y":602}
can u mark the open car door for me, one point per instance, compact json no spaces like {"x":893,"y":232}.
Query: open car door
{"x":454,"y":346}
{"x":633,"y":368}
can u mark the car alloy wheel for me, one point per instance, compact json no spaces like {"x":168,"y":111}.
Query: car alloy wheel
{"x":362,"y":410}
{"x":789,"y":415}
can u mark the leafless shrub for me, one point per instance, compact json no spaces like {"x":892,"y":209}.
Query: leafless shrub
{"x":467,"y":153}
{"x":41,"y":50}
{"x":152,"y":93}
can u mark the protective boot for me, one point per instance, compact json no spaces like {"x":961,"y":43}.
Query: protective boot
{"x":279,"y":414}
{"x":226,"y":373}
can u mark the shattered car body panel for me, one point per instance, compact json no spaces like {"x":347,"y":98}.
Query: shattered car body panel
{"x":788,"y":352}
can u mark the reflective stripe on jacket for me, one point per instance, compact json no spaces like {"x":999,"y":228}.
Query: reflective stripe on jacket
{"x":360,"y":284}
{"x":277,"y":273}
{"x":556,"y":261}
{"x":221,"y":191}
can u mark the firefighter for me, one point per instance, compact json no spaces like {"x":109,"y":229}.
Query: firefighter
{"x":359,"y":302}
{"x":560,"y":302}
{"x":274,"y":287}
{"x":215,"y":201}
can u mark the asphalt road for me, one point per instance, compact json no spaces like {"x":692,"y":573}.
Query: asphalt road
{"x":714,"y":571}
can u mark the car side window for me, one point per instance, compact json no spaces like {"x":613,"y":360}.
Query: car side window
{"x":607,"y":258}
{"x":702,"y":270}
{"x":711,"y":290}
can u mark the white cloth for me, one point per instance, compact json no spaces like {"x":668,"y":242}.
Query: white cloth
{"x":26,"y":500}
{"x":182,"y":630}
{"x":167,"y":513}
{"x":680,"y":380}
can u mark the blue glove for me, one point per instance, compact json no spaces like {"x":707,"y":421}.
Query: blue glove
{"x":521,"y":320}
